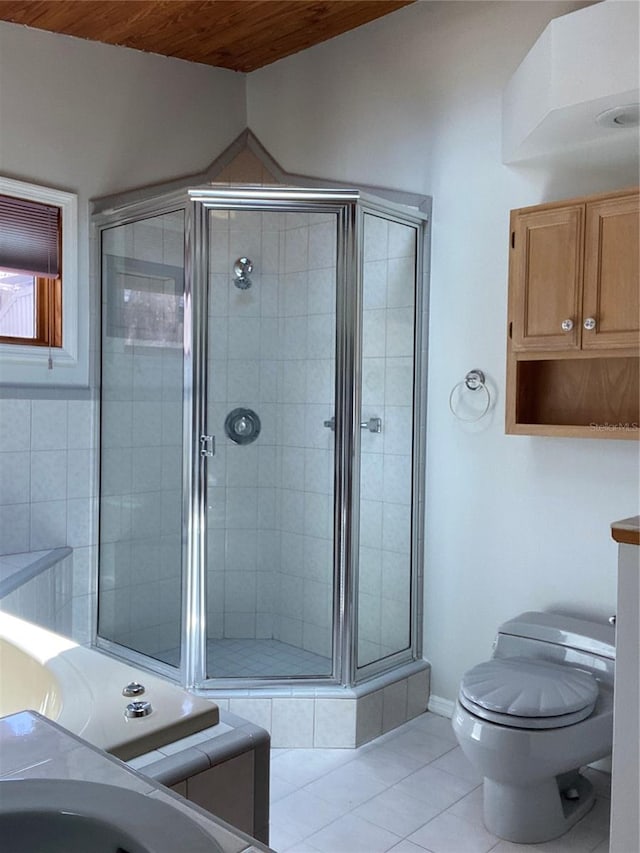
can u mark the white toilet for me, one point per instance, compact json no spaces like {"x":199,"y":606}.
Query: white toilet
{"x":532,"y":716}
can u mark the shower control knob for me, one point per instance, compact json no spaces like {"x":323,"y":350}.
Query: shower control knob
{"x":590,"y":324}
{"x":611,"y":620}
{"x":567,"y":325}
{"x":242,"y":426}
{"x":133,"y":688}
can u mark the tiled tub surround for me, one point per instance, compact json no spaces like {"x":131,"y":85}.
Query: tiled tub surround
{"x":48,"y":489}
{"x":224,"y":769}
{"x":38,"y":587}
{"x":222,"y":766}
{"x":32,"y":747}
{"x":18,"y":569}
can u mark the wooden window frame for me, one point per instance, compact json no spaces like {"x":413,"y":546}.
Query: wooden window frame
{"x":48,"y":319}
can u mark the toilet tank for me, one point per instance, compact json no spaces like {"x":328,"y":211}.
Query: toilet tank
{"x":563,"y":639}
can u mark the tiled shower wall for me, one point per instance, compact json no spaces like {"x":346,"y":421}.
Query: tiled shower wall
{"x":272,"y":349}
{"x":307,"y":321}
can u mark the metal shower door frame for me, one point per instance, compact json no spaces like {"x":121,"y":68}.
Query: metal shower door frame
{"x":342,"y":203}
{"x":102,"y":220}
{"x":391,"y":212}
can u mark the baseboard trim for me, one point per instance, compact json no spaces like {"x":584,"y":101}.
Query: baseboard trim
{"x":440,"y":706}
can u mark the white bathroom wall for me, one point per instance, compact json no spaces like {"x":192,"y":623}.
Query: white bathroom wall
{"x":98,"y":119}
{"x":91,"y":119}
{"x":413,"y":101}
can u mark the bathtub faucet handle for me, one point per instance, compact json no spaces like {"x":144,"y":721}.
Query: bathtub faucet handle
{"x":133,"y":688}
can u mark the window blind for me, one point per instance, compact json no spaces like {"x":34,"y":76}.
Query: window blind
{"x":29,"y":236}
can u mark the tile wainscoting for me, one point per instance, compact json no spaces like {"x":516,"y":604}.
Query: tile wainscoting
{"x":334,"y":717}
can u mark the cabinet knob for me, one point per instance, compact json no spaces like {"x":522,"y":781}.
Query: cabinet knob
{"x":590,"y":324}
{"x":567,"y":325}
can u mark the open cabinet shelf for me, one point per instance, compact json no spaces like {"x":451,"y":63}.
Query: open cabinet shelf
{"x":581,"y":397}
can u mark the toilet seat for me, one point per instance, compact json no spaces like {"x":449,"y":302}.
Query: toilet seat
{"x":528,"y":693}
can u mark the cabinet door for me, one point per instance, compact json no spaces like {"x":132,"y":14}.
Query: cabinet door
{"x":611,"y":304}
{"x":546,"y":278}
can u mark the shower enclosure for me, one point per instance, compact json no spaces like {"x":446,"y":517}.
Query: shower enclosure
{"x":262,"y":435}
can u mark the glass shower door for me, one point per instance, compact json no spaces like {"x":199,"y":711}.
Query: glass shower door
{"x":140,"y":553}
{"x":387,"y":489}
{"x":271,"y":405}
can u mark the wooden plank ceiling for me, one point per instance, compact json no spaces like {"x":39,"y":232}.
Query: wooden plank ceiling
{"x":238,"y":34}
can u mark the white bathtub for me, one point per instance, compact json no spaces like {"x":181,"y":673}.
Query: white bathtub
{"x":81,"y":689}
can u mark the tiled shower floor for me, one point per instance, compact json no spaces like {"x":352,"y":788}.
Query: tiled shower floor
{"x":248,"y":658}
{"x":254,"y":658}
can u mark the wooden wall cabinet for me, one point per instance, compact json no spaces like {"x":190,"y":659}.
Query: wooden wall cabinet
{"x":574,"y":318}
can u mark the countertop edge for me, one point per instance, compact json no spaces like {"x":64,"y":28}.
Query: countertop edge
{"x":626,"y":531}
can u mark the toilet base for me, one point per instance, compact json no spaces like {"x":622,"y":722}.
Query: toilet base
{"x":538,"y":812}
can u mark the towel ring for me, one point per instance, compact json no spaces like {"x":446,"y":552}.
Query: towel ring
{"x":473,"y":381}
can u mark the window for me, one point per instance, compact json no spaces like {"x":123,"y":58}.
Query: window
{"x":41,"y":341}
{"x":30,"y":273}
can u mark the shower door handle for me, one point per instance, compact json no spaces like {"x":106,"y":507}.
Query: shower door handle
{"x":373,"y":424}
{"x":207,"y":445}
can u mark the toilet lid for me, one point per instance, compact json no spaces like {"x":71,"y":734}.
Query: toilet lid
{"x":522,"y":687}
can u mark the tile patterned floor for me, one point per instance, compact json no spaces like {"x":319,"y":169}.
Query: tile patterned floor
{"x":410,"y":791}
{"x":249,"y":658}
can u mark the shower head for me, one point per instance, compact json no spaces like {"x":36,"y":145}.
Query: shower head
{"x":242,"y":270}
